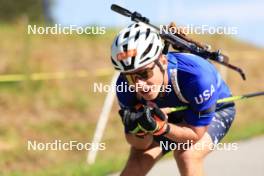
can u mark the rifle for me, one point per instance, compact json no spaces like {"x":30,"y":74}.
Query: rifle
{"x":181,"y":42}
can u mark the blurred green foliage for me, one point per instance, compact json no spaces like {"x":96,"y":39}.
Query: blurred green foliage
{"x":11,"y":10}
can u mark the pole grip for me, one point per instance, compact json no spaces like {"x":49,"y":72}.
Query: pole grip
{"x":121,"y":10}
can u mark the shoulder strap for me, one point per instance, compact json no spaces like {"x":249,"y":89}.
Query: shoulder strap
{"x":176,"y":88}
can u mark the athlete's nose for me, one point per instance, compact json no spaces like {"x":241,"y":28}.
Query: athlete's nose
{"x":140,"y":81}
{"x":140,"y":84}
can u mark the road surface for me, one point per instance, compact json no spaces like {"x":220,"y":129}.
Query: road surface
{"x":248,"y":159}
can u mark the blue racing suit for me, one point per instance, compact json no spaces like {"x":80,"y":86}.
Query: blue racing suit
{"x":195,"y":82}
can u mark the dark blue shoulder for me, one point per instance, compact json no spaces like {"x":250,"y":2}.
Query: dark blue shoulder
{"x":125,"y":97}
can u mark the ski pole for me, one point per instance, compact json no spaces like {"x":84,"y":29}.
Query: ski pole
{"x":224,"y":100}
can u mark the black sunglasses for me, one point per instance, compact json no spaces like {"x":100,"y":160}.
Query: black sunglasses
{"x":142,"y":74}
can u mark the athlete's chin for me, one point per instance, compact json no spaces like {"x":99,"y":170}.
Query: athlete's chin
{"x":149,"y":95}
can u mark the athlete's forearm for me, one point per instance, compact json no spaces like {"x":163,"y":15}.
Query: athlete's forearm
{"x":182,"y":134}
{"x":140,"y":143}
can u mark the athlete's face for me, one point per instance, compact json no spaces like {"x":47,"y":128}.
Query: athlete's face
{"x":148,"y":79}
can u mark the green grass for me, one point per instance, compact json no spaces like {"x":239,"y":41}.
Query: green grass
{"x":246,"y":131}
{"x":75,"y":168}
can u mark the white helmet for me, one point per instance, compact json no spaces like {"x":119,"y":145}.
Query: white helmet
{"x":135,"y":46}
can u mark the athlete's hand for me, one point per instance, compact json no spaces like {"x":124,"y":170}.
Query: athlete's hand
{"x":130,"y":120}
{"x":153,"y":121}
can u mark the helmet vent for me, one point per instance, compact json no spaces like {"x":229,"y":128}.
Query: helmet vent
{"x":147,"y":33}
{"x":157,"y":50}
{"x":125,"y":48}
{"x":113,"y":61}
{"x":137,"y":35}
{"x":116,"y":41}
{"x":144,"y":60}
{"x":147,"y":50}
{"x":126,"y":34}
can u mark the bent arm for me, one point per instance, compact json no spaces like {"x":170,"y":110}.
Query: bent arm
{"x":139,"y":143}
{"x":185,"y":133}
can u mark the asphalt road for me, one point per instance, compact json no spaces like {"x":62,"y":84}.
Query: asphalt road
{"x":248,"y":159}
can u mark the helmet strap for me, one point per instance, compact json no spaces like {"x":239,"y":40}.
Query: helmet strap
{"x":161,"y":93}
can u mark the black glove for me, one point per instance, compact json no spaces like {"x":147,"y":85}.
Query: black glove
{"x":129,"y":119}
{"x":153,"y":121}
